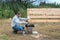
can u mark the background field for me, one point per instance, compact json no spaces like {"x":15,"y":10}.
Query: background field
{"x":47,"y":31}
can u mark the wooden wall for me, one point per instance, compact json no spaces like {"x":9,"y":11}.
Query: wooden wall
{"x":43,"y":14}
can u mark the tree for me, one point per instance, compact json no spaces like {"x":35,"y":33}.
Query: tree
{"x":9,"y":7}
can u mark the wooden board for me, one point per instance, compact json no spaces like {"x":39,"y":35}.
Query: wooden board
{"x":36,"y":14}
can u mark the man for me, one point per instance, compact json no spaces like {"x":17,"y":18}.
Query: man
{"x":15,"y":23}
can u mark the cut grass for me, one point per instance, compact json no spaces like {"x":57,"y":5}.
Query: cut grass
{"x":52,"y":30}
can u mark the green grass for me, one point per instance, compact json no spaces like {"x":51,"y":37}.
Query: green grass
{"x":3,"y":37}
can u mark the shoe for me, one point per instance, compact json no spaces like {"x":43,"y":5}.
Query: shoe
{"x":15,"y":32}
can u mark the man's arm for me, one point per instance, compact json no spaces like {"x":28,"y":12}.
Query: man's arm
{"x":18,"y":21}
{"x":24,"y":19}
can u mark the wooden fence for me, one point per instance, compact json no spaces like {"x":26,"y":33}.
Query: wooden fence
{"x":43,"y":14}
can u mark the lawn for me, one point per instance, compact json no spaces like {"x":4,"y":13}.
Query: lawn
{"x":47,"y":31}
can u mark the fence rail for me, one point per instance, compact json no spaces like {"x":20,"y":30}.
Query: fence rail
{"x":43,"y":14}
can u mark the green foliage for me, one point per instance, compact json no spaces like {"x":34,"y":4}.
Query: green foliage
{"x":53,"y":5}
{"x":44,"y":5}
{"x":8,"y":8}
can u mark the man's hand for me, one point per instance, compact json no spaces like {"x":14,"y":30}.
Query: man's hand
{"x":26,"y":20}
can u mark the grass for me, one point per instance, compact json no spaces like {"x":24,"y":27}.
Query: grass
{"x":50,"y":30}
{"x":3,"y":37}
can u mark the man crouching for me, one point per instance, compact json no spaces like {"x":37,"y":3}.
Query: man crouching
{"x":15,"y":23}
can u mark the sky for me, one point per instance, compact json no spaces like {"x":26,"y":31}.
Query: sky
{"x":36,"y":3}
{"x":52,"y":1}
{"x":47,"y":1}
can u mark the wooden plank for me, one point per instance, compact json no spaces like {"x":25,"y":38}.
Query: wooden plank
{"x":44,"y":20}
{"x":44,"y":16}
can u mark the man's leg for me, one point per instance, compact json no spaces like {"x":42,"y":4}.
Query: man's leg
{"x":21,"y":28}
{"x":18,"y":28}
{"x":14,"y":30}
